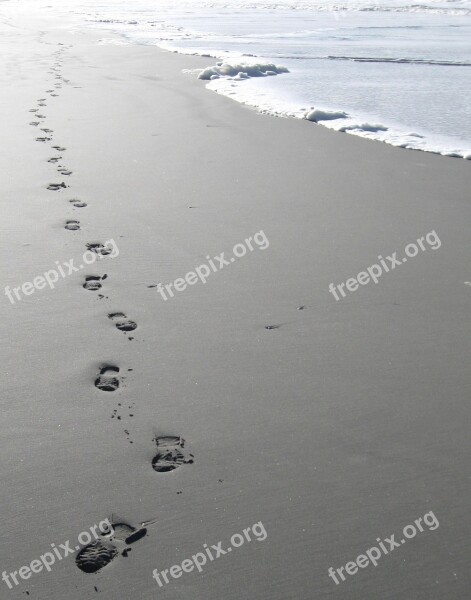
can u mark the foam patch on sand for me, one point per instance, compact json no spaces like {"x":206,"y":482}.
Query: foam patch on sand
{"x":370,"y":127}
{"x":240,"y":71}
{"x":391,"y":134}
{"x":317,"y":114}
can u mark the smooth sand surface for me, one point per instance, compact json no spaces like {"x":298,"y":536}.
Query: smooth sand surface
{"x":341,"y":426}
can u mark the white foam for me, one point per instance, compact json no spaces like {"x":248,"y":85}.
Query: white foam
{"x":318,"y":114}
{"x":241,"y":71}
{"x":370,"y":127}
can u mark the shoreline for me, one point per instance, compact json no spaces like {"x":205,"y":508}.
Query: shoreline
{"x":340,"y":118}
{"x":332,"y":425}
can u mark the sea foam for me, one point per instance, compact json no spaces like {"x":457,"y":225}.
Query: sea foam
{"x":241,"y":71}
{"x":318,"y":114}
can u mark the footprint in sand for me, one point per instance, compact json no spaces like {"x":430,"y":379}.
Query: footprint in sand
{"x":107,"y":380}
{"x":41,"y":116}
{"x":54,"y":159}
{"x":34,"y":123}
{"x":33,"y":109}
{"x":43,"y":139}
{"x":65,"y":171}
{"x":99,"y":249}
{"x":72,"y":225}
{"x":170,"y":454}
{"x":122,"y":322}
{"x":95,"y":556}
{"x":78,"y":203}
{"x":46,"y":130}
{"x":58,"y":148}
{"x":55,"y":187}
{"x":117,"y":541}
{"x":92,"y":282}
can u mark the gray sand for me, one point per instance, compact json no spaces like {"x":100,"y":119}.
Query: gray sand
{"x":341,"y":426}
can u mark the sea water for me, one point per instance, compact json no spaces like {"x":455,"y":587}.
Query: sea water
{"x":391,"y":70}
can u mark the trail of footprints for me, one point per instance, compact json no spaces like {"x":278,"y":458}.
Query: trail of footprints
{"x":170,"y":452}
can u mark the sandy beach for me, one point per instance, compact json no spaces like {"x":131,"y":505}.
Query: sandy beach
{"x":330,"y":422}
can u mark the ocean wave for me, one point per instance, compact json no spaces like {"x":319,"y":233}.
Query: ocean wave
{"x":443,"y":8}
{"x":409,"y":61}
{"x":373,"y":59}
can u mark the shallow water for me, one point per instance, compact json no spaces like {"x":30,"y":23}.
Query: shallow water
{"x":404,"y":67}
